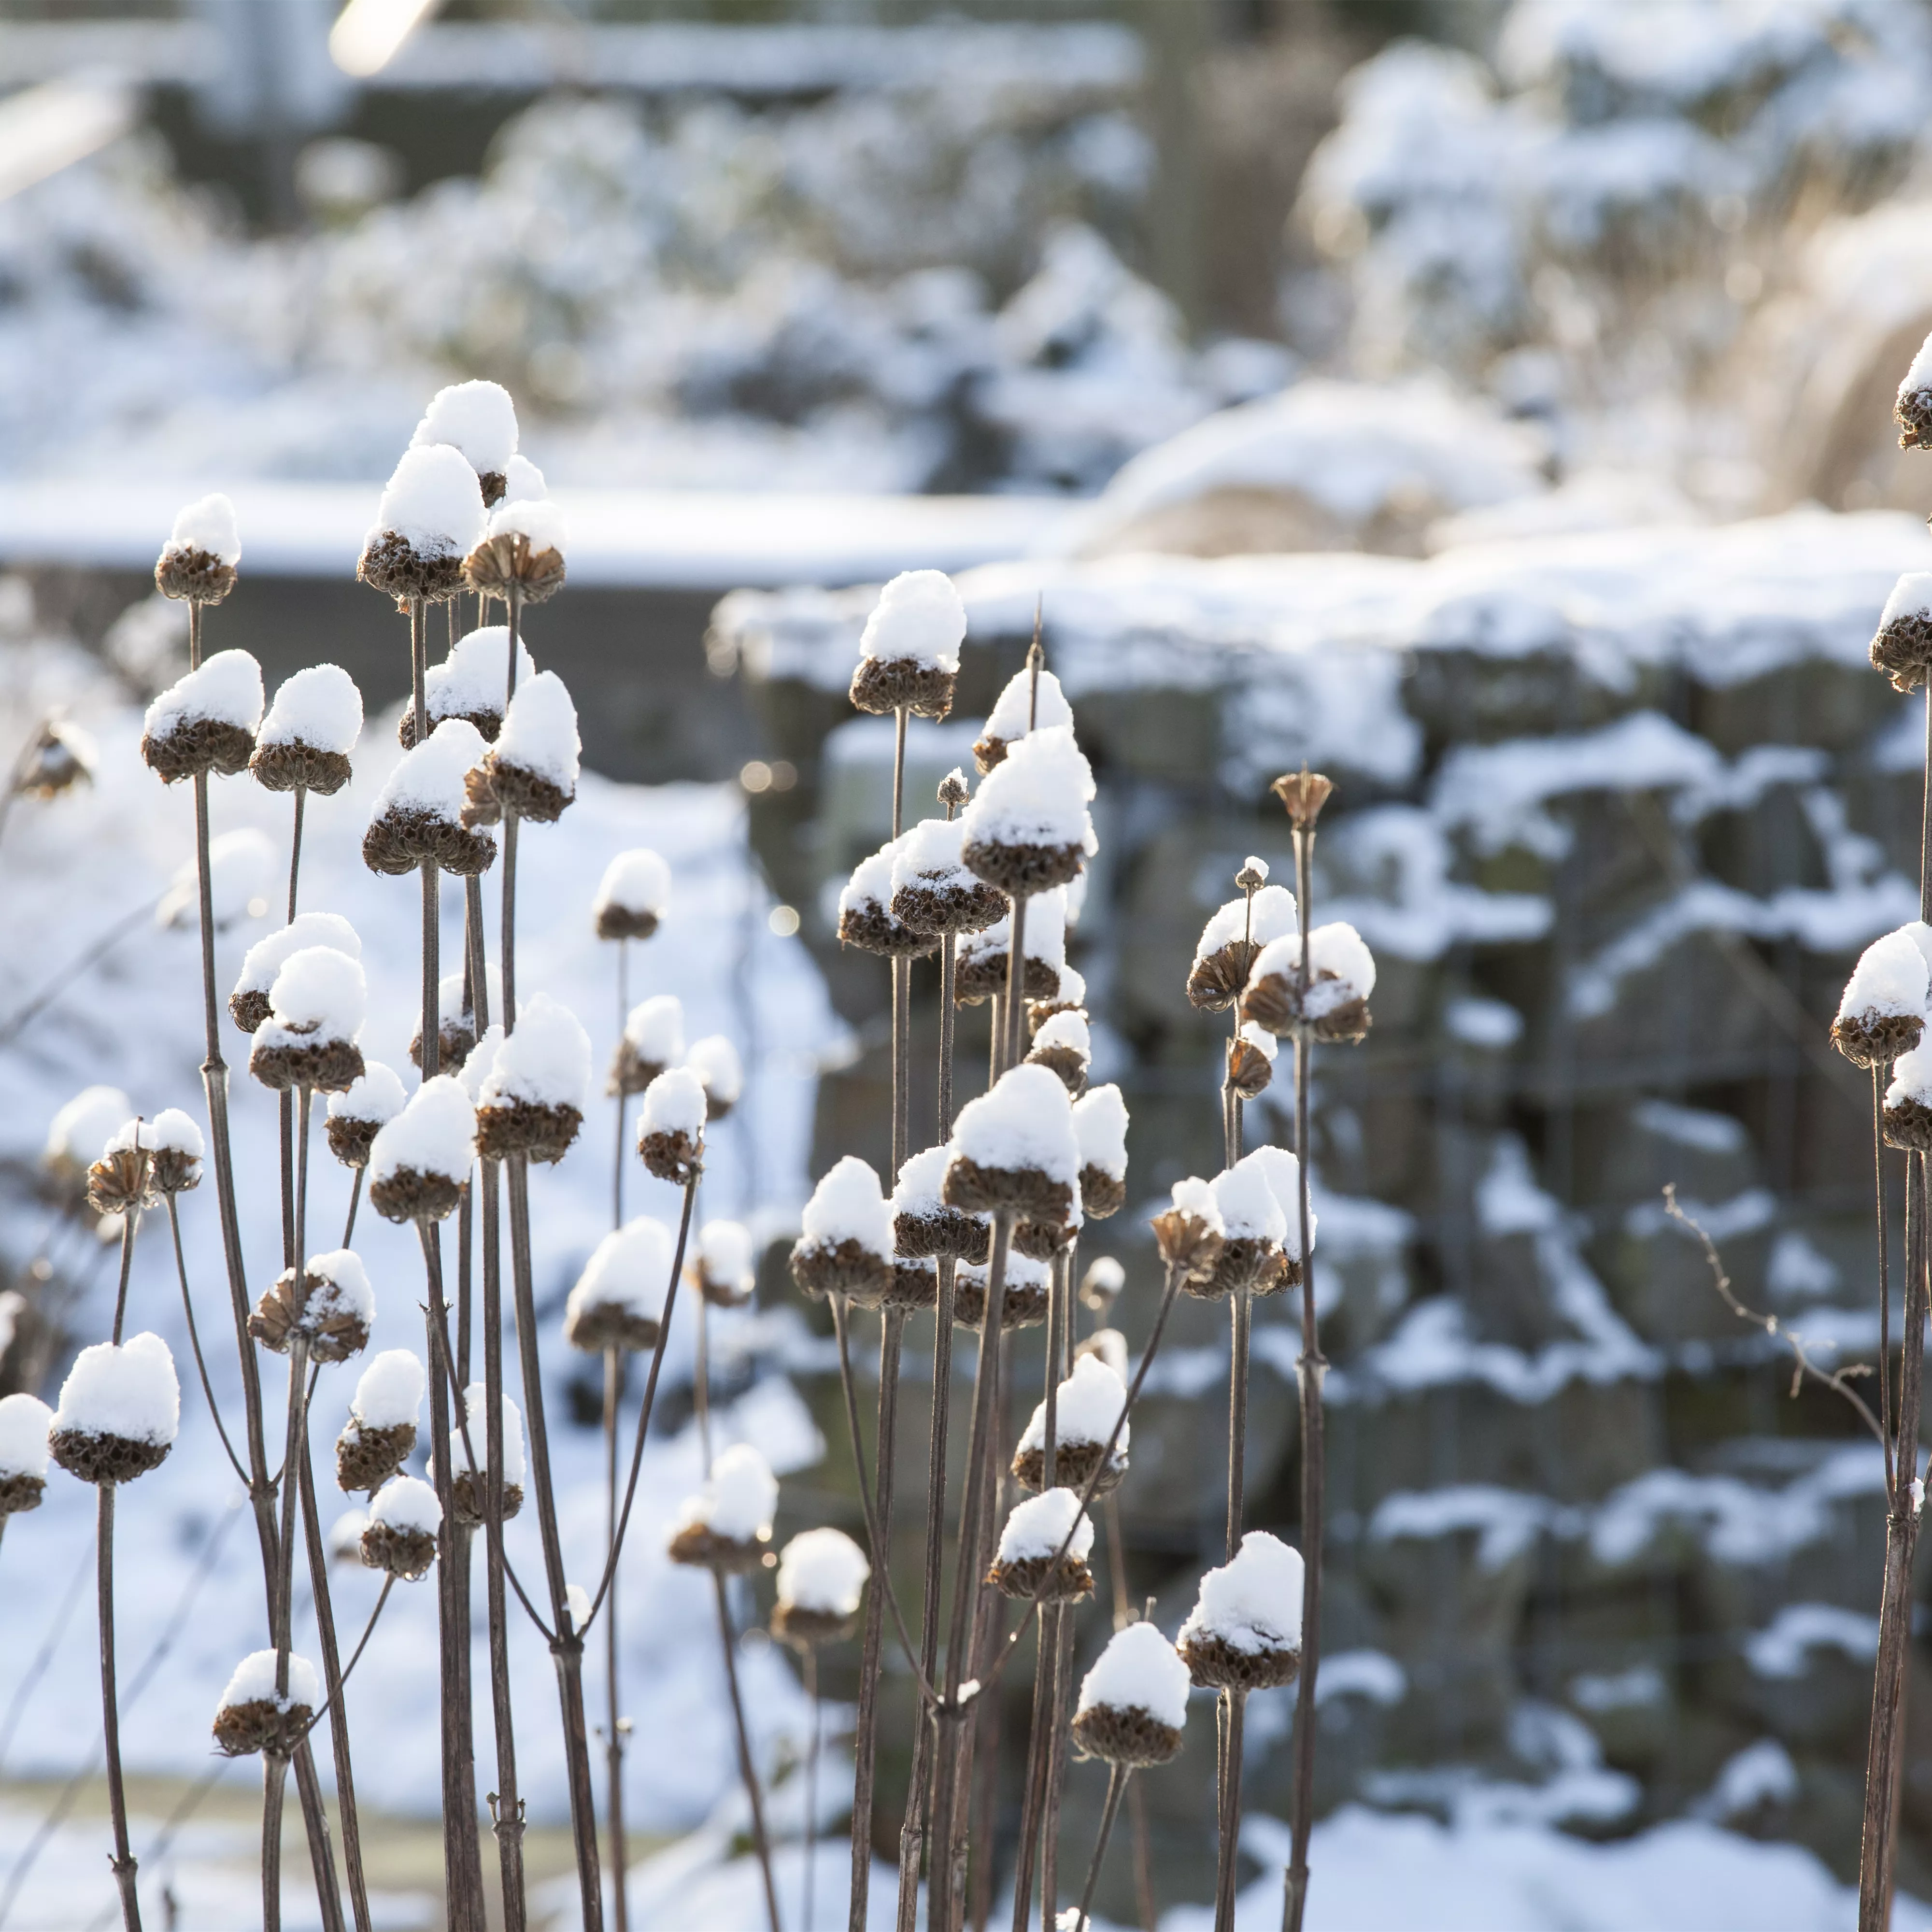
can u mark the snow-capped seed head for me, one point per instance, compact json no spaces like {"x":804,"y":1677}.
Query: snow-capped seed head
{"x":429,"y":520}
{"x":198,"y":563}
{"x":521,"y":555}
{"x":121,"y":1180}
{"x":532,"y":769}
{"x":1251,"y":1605}
{"x":120,"y":1409}
{"x":175,"y":1150}
{"x":865,"y":916}
{"x":1100,"y":1286}
{"x":1908,"y":1100}
{"x":311,"y":728}
{"x":1902,"y":646}
{"x":1087,"y":1404}
{"x":1189,"y":1234}
{"x":909,"y":652}
{"x":652,"y":1039}
{"x":404,"y":1516}
{"x":62,"y":756}
{"x":1302,"y":794}
{"x":419,"y":1163}
{"x":1231,"y":941}
{"x":523,"y":481}
{"x":254,"y":1716}
{"x":845,"y":1246}
{"x":418,"y":817}
{"x":982,"y":958}
{"x":725,"y":1267}
{"x":1133,"y":1702}
{"x":823,"y":1569}
{"x":389,"y":1391}
{"x":715,"y":1060}
{"x":479,"y":420}
{"x":932,"y":889}
{"x":1251,"y":1058}
{"x":532,"y":1100}
{"x":1284,"y":1178}
{"x":1063,"y":1045}
{"x":248,"y":1004}
{"x":329,"y":1307}
{"x":1882,"y":1013}
{"x":1015,"y":1147}
{"x":361,"y":1111}
{"x":469,"y":1487}
{"x":1007,"y":722}
{"x":670,"y":1127}
{"x":1341,"y":976}
{"x":204,"y":721}
{"x":1027,"y":826}
{"x":1253,"y":874}
{"x":1024,"y":1302}
{"x":618,"y":1301}
{"x":24,"y":1422}
{"x":727,"y":1524}
{"x":320,"y":992}
{"x":472,"y":683}
{"x":1034,"y":1533}
{"x":953,"y":790}
{"x":632,"y":895}
{"x":1249,"y":1209}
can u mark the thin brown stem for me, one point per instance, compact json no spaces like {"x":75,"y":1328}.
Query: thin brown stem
{"x":124,"y":1866}
{"x":811,"y":1783}
{"x":747,"y":1769}
{"x":1116,"y":1778}
{"x":615,"y":1725}
{"x":354,"y":1201}
{"x":866,"y":1743}
{"x":295,"y":849}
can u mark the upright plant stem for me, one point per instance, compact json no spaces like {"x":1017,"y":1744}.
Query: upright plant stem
{"x":811,"y":1781}
{"x":614,"y":1735}
{"x":1116,"y":1778}
{"x":295,"y":848}
{"x":747,"y":1769}
{"x":124,"y":1866}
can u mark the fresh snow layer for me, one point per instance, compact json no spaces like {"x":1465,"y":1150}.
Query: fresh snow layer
{"x":546,"y":1061}
{"x":319,"y":706}
{"x":630,"y":1268}
{"x":523,"y":481}
{"x":1912,"y":1076}
{"x":81,"y":1128}
{"x":1038,"y":1525}
{"x":918,"y":619}
{"x":1255,"y":1602}
{"x":654,"y":1029}
{"x":475,"y":676}
{"x":128,"y":1136}
{"x":1284,"y":1178}
{"x":376,"y":1095}
{"x":389,"y":1391}
{"x":848,"y":1205}
{"x":264,"y":959}
{"x":478,"y":419}
{"x":1109,"y":1346}
{"x":1249,"y":1209}
{"x":1139,"y":1670}
{"x":1027,"y":1121}
{"x":1258,"y":1037}
{"x":1890,"y":979}
{"x":1274,"y":918}
{"x":435,"y":1133}
{"x":920,"y":1179}
{"x":406,"y":1502}
{"x":1087,"y":1405}
{"x":348,"y":1292}
{"x":539,"y":733}
{"x":637,"y":880}
{"x":928,"y":853}
{"x":24,"y":1422}
{"x":823,"y":1569}
{"x":1066,"y":1029}
{"x":429,"y":777}
{"x":1007,"y":719}
{"x":674,"y":1103}
{"x":1037,"y":795}
{"x":1045,"y":933}
{"x":1195,"y":1197}
{"x":320,"y":993}
{"x":253,"y":1682}
{"x":871,"y":884}
{"x":1919,"y":376}
{"x":716,"y":1062}
{"x":480,"y":1062}
{"x":172,"y":1131}
{"x":206,"y":524}
{"x":1911,"y":597}
{"x":1336,"y":949}
{"x":433,"y":501}
{"x":738,"y":1499}
{"x":130,"y":1390}
{"x":534,"y":518}
{"x":726,"y":1253}
{"x":227,"y":689}
{"x":476,"y":1413}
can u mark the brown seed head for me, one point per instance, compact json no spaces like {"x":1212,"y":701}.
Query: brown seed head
{"x":952,"y":792}
{"x":120,"y":1181}
{"x":1303,"y":794}
{"x":1187,"y":1242}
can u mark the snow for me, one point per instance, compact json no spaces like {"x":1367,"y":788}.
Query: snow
{"x":1255,"y":1602}
{"x":1195,"y":1197}
{"x":429,"y":777}
{"x":435,"y":1133}
{"x":871,"y":884}
{"x":389,"y":1391}
{"x":433,"y":501}
{"x":1258,"y":1037}
{"x":476,"y":1413}
{"x":522,"y":482}
{"x":926,"y":853}
{"x":1073,"y":985}
{"x":128,"y":1390}
{"x":674,"y":1103}
{"x":1284,"y":1178}
{"x":1274,"y":918}
{"x":24,"y":1422}
{"x":539,"y":731}
{"x":635,"y":881}
{"x":716,"y":1062}
{"x":1919,"y":375}
{"x":545,"y":1062}
{"x":1139,"y":1670}
{"x":727,"y":1254}
{"x":375,"y":1095}
{"x":1068,"y":1029}
{"x":1016,"y":703}
{"x":1045,"y":932}
{"x":80,"y":1129}
{"x":474,"y":676}
{"x":1249,"y":1210}
{"x":478,"y":419}
{"x":1912,"y":1076}
{"x":1087,"y":1405}
{"x":1912,"y":594}
{"x":320,"y":993}
{"x":823,"y":1569}
{"x":319,"y":706}
{"x":227,"y":688}
{"x":1782,"y":1650}
{"x":1026,"y":1121}
{"x":206,"y":524}
{"x":655,"y":1029}
{"x":848,"y":1205}
{"x":921,"y":1177}
{"x":918,"y":619}
{"x":173,"y":1132}
{"x":1890,"y":978}
{"x":738,"y":1498}
{"x":630,"y":1267}
{"x":129,"y":1136}
{"x":348,"y":1291}
{"x":406,"y":1502}
{"x":1037,"y":795}
{"x":536,"y":519}
{"x":254,"y":1682}
{"x":1022,"y":1270}
{"x":1336,"y":949}
{"x":1039,"y":1525}
{"x":264,"y":959}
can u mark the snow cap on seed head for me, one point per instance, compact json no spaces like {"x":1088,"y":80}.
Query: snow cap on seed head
{"x":1087,"y":1405}
{"x":432,"y":500}
{"x":636,"y":881}
{"x":823,"y":1569}
{"x":738,"y":1498}
{"x":654,"y":1029}
{"x":1284,"y":1179}
{"x":1038,"y":1526}
{"x":630,"y":1267}
{"x":125,"y":1389}
{"x":1037,"y":795}
{"x":82,"y":1128}
{"x":320,"y":993}
{"x":919,"y":619}
{"x":539,"y":731}
{"x":716,"y":1062}
{"x":674,"y":1102}
{"x":1249,"y":1211}
{"x":377,"y":1095}
{"x":545,"y":1062}
{"x":1890,"y":979}
{"x":207,"y":524}
{"x":1025,"y":1121}
{"x":1139,"y":1670}
{"x":24,"y":1422}
{"x":1254,"y":1603}
{"x":319,"y":706}
{"x":435,"y":1133}
{"x":389,"y":1391}
{"x":848,"y":1204}
{"x":1008,"y":719}
{"x":477,"y":418}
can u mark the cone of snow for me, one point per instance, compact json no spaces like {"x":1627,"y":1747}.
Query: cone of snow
{"x":380,"y":1434}
{"x":1245,"y":1632}
{"x":909,"y":651}
{"x":419,"y":1163}
{"x":728,"y":1525}
{"x":618,"y":1299}
{"x":119,"y":1409}
{"x":670,"y":1127}
{"x":1133,"y":1702}
{"x":631,"y":898}
{"x":304,"y":741}
{"x":822,"y":1575}
{"x":846,"y":1245}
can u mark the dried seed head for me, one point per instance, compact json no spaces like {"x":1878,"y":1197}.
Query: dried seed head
{"x":1252,"y":876}
{"x":62,"y":756}
{"x":122,"y":1179}
{"x":1190,"y":1235}
{"x":1303,"y":794}
{"x":509,"y":560}
{"x":952,"y":791}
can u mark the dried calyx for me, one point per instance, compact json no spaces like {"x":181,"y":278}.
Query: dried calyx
{"x":1233,"y":939}
{"x":1189,"y":1234}
{"x":198,"y":563}
{"x":532,"y":769}
{"x":121,"y":1180}
{"x":1302,"y":794}
{"x":1022,"y":1305}
{"x":329,"y":1305}
{"x":1025,"y":1565}
{"x":1133,"y":1702}
{"x":846,"y":1245}
{"x":1882,"y":1015}
{"x":400,"y":1540}
{"x":1245,"y":1631}
{"x":670,"y":1127}
{"x":429,"y":518}
{"x":909,"y":653}
{"x":520,"y":554}
{"x":62,"y":756}
{"x":1341,"y":976}
{"x":205,"y":721}
{"x":254,"y":1716}
{"x":304,"y":741}
{"x":924,"y":1228}
{"x":1902,"y":646}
